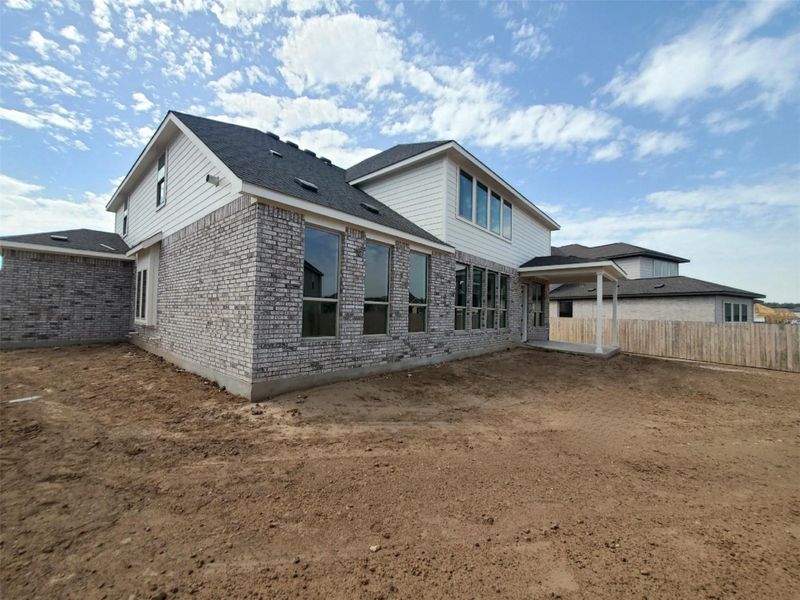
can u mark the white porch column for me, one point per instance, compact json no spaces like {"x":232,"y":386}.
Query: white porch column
{"x":614,"y":321}
{"x":599,"y":320}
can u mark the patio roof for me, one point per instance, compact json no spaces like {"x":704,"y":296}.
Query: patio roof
{"x":571,"y":269}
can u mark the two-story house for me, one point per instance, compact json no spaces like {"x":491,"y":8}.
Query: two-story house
{"x":265,"y":267}
{"x":653,"y":290}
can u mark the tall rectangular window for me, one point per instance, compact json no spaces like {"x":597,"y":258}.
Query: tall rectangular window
{"x":376,"y":289}
{"x":503,"y":301}
{"x":417,"y":291}
{"x":537,"y":304}
{"x":141,"y":295}
{"x":125,"y":217}
{"x":465,"y":196}
{"x":320,"y":282}
{"x":481,"y":204}
{"x":507,"y":219}
{"x":491,"y":300}
{"x":461,"y":297}
{"x":494,"y":214}
{"x":477,"y":297}
{"x":161,"y":186}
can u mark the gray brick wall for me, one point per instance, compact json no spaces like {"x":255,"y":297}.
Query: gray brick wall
{"x":51,"y":299}
{"x":206,"y":291}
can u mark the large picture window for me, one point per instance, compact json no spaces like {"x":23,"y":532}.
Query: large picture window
{"x":376,"y":289}
{"x":503,"y":301}
{"x":537,"y":304}
{"x":320,"y":283}
{"x":477,"y":297}
{"x":417,"y":292}
{"x":465,"y":196}
{"x":491,"y":300}
{"x":461,"y":297}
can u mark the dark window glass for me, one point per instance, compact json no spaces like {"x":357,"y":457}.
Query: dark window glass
{"x":321,"y":266}
{"x":727,"y":311}
{"x":565,"y":308}
{"x":744,"y":313}
{"x":141,"y":294}
{"x":161,"y":186}
{"x":418,"y":279}
{"x":319,"y":318}
{"x":376,"y":276}
{"x":494,"y":217}
{"x":507,"y":220}
{"x":465,"y":196}
{"x":461,"y":297}
{"x":416,"y":318}
{"x":537,"y":304}
{"x":477,"y":297}
{"x":503,"y":300}
{"x":481,"y":204}
{"x":376,"y":318}
{"x":491,"y":300}
{"x":736,"y":312}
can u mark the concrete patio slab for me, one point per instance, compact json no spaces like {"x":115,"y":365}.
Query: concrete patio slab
{"x":572,"y":348}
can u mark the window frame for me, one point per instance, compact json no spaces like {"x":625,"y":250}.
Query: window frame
{"x":563,"y":304}
{"x":461,"y":308}
{"x":503,"y":301}
{"x":735,"y":312}
{"x":412,"y":305}
{"x":479,"y":310}
{"x":491,"y":310}
{"x":140,"y":302}
{"x":338,"y":284}
{"x":537,"y":294}
{"x":491,"y":193}
{"x":161,"y":178}
{"x":125,"y":217}
{"x":673,"y":266}
{"x":388,"y":289}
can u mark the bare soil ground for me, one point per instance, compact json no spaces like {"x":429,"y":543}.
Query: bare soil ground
{"x":518,"y":475}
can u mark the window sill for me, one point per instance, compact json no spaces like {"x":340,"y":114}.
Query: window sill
{"x":158,"y":208}
{"x":376,"y":336}
{"x":483,"y":229}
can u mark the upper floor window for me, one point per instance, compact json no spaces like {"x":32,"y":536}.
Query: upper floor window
{"x":735,"y":312}
{"x":320,"y":282}
{"x":465,"y":196}
{"x":376,"y":289}
{"x":461,"y":297}
{"x":125,"y":217}
{"x":495,"y":220}
{"x":161,"y":186}
{"x":507,"y":219}
{"x":481,"y":204}
{"x":417,"y":291}
{"x":664,"y":268}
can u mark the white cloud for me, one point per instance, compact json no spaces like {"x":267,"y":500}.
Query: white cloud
{"x":41,"y":45}
{"x":608,"y":152}
{"x":719,"y":55}
{"x":334,"y":144}
{"x":23,"y":209}
{"x":19,"y":4}
{"x":71,"y":33}
{"x":21,"y":118}
{"x":744,"y":199}
{"x":657,"y":143}
{"x":141,"y":102}
{"x":529,"y":40}
{"x":58,"y":118}
{"x":101,"y":14}
{"x":723,"y":122}
{"x":243,"y":14}
{"x":227,"y":82}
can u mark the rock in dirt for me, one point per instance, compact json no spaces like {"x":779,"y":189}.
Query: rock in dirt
{"x":375,"y":548}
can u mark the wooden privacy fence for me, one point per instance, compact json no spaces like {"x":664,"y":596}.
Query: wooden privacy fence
{"x":744,"y":344}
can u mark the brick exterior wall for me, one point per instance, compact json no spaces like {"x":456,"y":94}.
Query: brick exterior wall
{"x":206,"y":291}
{"x":52,"y":299}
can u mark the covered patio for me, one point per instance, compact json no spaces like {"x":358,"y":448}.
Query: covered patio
{"x":551,"y":270}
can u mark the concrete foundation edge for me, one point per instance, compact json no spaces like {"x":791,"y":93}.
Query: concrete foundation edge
{"x":268,"y":388}
{"x":58,"y":343}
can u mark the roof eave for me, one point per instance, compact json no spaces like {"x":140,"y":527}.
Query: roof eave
{"x":60,"y":250}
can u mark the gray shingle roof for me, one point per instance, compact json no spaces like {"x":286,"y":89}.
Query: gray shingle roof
{"x":554,"y":261}
{"x":652,"y":288}
{"x":615,"y":250}
{"x":249,"y":154}
{"x":77,"y":239}
{"x":389,"y":157}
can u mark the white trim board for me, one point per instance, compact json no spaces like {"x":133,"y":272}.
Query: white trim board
{"x":54,"y":250}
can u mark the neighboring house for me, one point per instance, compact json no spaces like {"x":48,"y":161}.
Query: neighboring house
{"x":266,"y":268}
{"x":654,"y":289}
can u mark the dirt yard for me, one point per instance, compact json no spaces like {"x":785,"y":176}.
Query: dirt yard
{"x":518,"y":475}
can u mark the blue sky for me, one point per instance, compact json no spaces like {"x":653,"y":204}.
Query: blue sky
{"x":673,"y":126}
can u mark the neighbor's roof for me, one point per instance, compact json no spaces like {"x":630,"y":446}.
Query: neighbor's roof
{"x":652,"y":288}
{"x":615,"y":250}
{"x":390,"y":157}
{"x":77,"y":239}
{"x":249,"y":154}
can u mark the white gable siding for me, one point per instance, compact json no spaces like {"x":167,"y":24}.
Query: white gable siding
{"x":634,"y":266}
{"x":530,"y":238}
{"x":189,"y":197}
{"x":417,"y":194}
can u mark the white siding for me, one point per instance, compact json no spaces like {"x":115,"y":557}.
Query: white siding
{"x":189,"y":197}
{"x":633,"y":266}
{"x":416,"y":193}
{"x":530,"y":238}
{"x":687,"y":308}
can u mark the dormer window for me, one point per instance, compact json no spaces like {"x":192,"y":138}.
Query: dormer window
{"x":161,"y":186}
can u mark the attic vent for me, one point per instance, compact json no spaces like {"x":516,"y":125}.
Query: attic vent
{"x":292,"y":144}
{"x":658,"y":286}
{"x":370,"y":208}
{"x":276,"y":153}
{"x":327,"y":161}
{"x":306,"y":184}
{"x":274,"y":136}
{"x":309,"y":152}
{"x":59,"y":238}
{"x":107,"y":247}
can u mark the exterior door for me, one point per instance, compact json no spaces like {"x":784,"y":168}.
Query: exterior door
{"x":524,"y":308}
